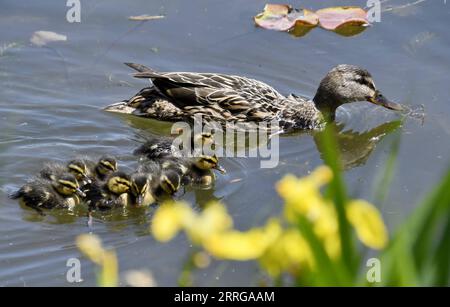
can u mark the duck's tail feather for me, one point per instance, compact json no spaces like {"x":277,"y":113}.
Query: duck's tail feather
{"x":139,"y":67}
{"x":16,"y":195}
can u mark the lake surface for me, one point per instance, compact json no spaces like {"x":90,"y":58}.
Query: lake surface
{"x":51,"y":99}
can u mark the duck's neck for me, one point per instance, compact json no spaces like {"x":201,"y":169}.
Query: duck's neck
{"x":325,"y":104}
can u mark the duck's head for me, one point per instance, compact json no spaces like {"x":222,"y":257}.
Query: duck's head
{"x":106,"y":165}
{"x":349,"y":83}
{"x":118,"y":183}
{"x":140,"y":185}
{"x":170,"y":181}
{"x":79,"y":169}
{"x":67,"y":185}
{"x":206,"y":162}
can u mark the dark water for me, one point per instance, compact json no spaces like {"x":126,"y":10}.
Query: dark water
{"x":51,"y":99}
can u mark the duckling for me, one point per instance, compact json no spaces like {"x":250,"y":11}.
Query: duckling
{"x":62,"y":191}
{"x":163,"y":147}
{"x":105,"y":166}
{"x":141,"y":190}
{"x":77,"y":167}
{"x":228,"y":98}
{"x":200,"y":170}
{"x":167,"y":184}
{"x":166,"y":177}
{"x":110,"y":193}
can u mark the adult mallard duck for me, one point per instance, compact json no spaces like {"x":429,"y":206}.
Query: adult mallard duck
{"x":226,"y":98}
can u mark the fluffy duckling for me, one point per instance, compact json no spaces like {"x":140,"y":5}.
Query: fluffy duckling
{"x":110,"y":193}
{"x":141,"y":194}
{"x":163,"y":147}
{"x":200,"y":170}
{"x":63,"y":191}
{"x":105,"y":166}
{"x":166,"y":185}
{"x":165,"y":178}
{"x":77,"y":167}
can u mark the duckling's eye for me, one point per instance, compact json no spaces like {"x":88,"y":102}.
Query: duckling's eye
{"x":109,"y":165}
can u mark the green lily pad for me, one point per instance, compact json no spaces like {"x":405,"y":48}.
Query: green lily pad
{"x":282,"y":17}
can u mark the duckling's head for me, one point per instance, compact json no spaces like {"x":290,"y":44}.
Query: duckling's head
{"x":206,"y":162}
{"x":79,"y":169}
{"x":106,"y":165}
{"x":170,"y":181}
{"x":348,"y":83}
{"x":140,"y":185}
{"x":118,"y":183}
{"x":67,"y":185}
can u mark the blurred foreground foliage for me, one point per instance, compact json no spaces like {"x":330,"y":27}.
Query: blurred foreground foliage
{"x":321,"y":238}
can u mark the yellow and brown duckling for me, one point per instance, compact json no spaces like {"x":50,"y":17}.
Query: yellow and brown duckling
{"x":141,"y":191}
{"x":110,"y":193}
{"x":105,"y":166}
{"x":163,"y":147}
{"x":200,"y":171}
{"x":62,"y":191}
{"x":77,"y":167}
{"x":165,"y":178}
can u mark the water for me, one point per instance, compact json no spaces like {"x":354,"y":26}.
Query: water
{"x":51,"y":99}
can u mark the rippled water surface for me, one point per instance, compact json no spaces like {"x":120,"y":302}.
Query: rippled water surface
{"x":51,"y":99}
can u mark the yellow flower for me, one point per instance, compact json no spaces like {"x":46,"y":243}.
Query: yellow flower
{"x":91,"y":247}
{"x":290,"y":252}
{"x":302,"y":195}
{"x":169,"y":219}
{"x":248,"y":245}
{"x":367,"y":221}
{"x":212,"y":220}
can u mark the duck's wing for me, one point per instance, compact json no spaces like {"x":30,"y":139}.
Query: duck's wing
{"x":189,"y":89}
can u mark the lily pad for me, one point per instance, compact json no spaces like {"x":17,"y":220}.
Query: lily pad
{"x":282,"y":17}
{"x":344,"y":20}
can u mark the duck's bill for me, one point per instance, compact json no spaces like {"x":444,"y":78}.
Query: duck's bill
{"x":139,"y":200}
{"x":220,"y":169}
{"x":80,"y":193}
{"x":87,"y":179}
{"x":120,"y":107}
{"x":380,"y":100}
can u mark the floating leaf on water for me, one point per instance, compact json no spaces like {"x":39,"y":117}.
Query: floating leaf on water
{"x":282,"y":17}
{"x":42,"y":38}
{"x":145,"y":17}
{"x":344,"y":20}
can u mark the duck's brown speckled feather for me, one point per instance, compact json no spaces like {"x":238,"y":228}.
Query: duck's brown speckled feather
{"x":225,"y":98}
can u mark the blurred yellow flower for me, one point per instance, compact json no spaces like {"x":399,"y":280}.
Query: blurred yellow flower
{"x":169,"y":219}
{"x":91,"y":247}
{"x":368,"y":223}
{"x":247,"y":245}
{"x":212,"y":220}
{"x":290,"y":252}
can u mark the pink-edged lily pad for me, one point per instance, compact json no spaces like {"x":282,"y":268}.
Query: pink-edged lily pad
{"x":345,"y":20}
{"x":282,"y":17}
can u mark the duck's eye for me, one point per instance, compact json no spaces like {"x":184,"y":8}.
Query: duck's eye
{"x":366,"y":82}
